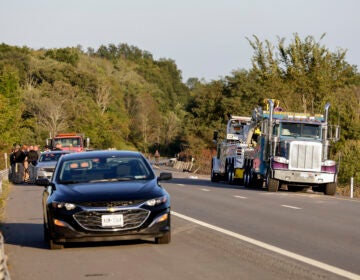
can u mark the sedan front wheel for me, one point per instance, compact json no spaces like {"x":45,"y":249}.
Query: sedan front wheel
{"x":55,"y":246}
{"x":165,"y":239}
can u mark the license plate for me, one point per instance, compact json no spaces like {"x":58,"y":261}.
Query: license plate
{"x":112,"y":220}
{"x":306,"y":175}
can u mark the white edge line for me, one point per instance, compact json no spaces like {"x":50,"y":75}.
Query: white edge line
{"x":292,"y":207}
{"x":239,"y":196}
{"x":321,"y":265}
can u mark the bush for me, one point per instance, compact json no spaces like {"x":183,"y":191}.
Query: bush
{"x":350,"y":163}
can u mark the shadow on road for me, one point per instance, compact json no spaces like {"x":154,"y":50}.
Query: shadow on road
{"x":24,"y":234}
{"x":31,"y":235}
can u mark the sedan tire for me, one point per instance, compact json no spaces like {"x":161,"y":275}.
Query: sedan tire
{"x":46,"y":233}
{"x":165,"y":239}
{"x":55,"y":246}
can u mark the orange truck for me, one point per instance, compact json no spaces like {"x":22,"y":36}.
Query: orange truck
{"x":69,"y":142}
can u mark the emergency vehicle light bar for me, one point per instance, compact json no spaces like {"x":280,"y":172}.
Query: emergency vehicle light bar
{"x":294,"y":116}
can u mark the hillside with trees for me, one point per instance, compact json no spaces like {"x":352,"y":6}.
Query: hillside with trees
{"x":121,"y":97}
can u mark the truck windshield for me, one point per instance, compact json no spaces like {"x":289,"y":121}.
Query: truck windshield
{"x":237,"y":130}
{"x":68,"y":142}
{"x":300,"y":130}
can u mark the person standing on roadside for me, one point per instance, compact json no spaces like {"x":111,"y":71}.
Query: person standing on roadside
{"x":47,"y":148}
{"x":12,"y":163}
{"x":58,"y":147}
{"x":157,"y":156}
{"x":37,"y":150}
{"x":25,"y":149}
{"x":19,"y":157}
{"x":32,"y":158}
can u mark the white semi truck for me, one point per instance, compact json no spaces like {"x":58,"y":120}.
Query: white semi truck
{"x":228,"y":164}
{"x":293,"y":150}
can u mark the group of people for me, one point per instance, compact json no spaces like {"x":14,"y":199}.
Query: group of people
{"x":23,"y":160}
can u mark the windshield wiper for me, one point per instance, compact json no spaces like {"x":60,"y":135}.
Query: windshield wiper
{"x":103,"y":180}
{"x":112,"y":179}
{"x":70,"y":182}
{"x":128,"y":178}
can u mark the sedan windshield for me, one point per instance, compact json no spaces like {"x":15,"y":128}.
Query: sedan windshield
{"x":50,"y":157}
{"x":102,"y":169}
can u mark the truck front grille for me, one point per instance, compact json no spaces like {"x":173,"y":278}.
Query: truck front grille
{"x":305,"y":156}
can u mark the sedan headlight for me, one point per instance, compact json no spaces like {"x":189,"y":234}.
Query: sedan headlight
{"x":66,"y":205}
{"x":156,"y":201}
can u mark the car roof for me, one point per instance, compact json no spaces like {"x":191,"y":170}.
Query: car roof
{"x":99,"y":153}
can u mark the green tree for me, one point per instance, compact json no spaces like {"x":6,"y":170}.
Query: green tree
{"x":67,"y":55}
{"x":350,"y":163}
{"x":11,"y":107}
{"x":301,"y":74}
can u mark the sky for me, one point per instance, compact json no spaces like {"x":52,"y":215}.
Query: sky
{"x":207,"y":39}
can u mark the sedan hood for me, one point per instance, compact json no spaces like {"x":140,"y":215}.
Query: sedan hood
{"x":109,"y":191}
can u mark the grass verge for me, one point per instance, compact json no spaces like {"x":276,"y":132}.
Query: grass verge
{"x":344,"y":190}
{"x":3,"y":197}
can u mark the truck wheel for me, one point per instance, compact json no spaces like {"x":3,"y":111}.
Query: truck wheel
{"x":246,"y":178}
{"x":230,"y":175}
{"x":330,"y":189}
{"x":248,"y":174}
{"x":273,"y":185}
{"x":214,"y":178}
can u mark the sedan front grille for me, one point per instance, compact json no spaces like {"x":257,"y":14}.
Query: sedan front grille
{"x":91,"y":220}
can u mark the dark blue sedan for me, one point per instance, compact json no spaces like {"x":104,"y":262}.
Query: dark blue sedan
{"x":105,"y":196}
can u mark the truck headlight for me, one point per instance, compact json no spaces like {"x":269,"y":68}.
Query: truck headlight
{"x":281,"y":160}
{"x":328,"y":166}
{"x":329,"y":162}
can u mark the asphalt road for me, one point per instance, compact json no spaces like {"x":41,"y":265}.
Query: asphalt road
{"x":219,"y":232}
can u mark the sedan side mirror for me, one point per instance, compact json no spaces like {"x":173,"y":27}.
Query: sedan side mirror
{"x":165,"y":176}
{"x":43,"y":182}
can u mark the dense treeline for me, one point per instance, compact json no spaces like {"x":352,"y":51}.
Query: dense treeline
{"x":120,"y":96}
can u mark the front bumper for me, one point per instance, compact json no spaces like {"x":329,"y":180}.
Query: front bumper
{"x":40,"y":174}
{"x":153,"y":229}
{"x":304,"y":177}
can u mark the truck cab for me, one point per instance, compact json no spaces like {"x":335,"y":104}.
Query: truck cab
{"x":228,"y":164}
{"x":294,"y":150}
{"x":72,"y":142}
